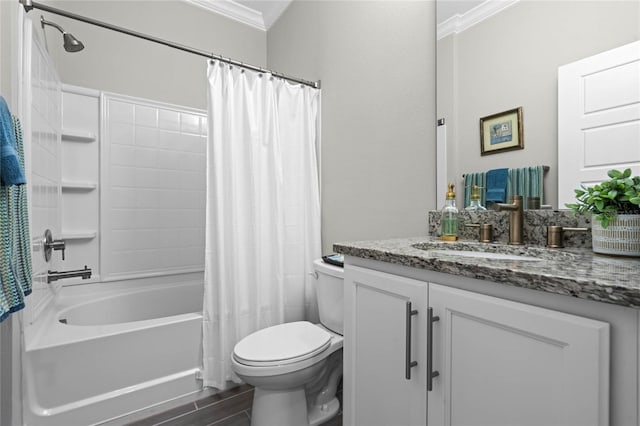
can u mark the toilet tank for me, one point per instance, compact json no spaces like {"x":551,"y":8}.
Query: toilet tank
{"x":330,"y":293}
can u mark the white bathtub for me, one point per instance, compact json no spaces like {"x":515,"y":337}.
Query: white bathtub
{"x":125,"y":346}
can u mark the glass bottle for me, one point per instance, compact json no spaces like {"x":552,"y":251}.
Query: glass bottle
{"x":475,"y":200}
{"x":449,"y":218}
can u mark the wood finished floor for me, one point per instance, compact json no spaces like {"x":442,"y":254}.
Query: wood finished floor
{"x":228,"y":408}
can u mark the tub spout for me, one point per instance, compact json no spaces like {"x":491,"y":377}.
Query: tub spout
{"x":85,"y":274}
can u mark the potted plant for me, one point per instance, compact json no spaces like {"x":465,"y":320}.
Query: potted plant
{"x":615,"y":206}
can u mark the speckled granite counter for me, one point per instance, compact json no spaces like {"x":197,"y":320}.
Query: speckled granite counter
{"x":576,"y":272}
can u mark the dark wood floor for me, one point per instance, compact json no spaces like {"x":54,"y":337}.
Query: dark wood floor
{"x":228,"y":408}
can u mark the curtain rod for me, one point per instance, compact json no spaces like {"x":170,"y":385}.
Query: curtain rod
{"x":29,"y":5}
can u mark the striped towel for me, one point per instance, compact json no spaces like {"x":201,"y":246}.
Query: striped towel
{"x":15,"y":250}
{"x":526,"y":181}
{"x":471,"y":179}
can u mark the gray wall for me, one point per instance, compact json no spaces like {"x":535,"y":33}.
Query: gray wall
{"x":376,"y":61}
{"x":119,"y":63}
{"x":511,"y":60}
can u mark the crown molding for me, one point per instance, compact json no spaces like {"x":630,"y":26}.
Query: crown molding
{"x":233,"y":10}
{"x":458,"y":23}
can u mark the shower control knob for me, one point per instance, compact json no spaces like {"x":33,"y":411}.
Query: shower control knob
{"x":49,"y":244}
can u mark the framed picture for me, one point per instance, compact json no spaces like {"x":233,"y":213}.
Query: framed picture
{"x":501,"y":132}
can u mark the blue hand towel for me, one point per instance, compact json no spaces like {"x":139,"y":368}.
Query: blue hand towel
{"x":497,"y":185}
{"x":11,"y":172}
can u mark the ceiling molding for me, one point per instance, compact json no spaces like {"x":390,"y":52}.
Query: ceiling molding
{"x":458,"y":23}
{"x":233,"y":10}
{"x":272,"y":14}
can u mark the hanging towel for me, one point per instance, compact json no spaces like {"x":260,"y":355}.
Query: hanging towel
{"x":15,"y":252}
{"x":497,"y":185}
{"x":471,"y":179}
{"x":527,"y":181}
{"x":11,"y":172}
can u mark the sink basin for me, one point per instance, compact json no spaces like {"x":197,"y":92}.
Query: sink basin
{"x":486,"y":255}
{"x":493,"y":251}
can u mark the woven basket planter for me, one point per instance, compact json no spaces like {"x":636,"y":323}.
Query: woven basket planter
{"x":621,"y":237}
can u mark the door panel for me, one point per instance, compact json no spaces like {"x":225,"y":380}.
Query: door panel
{"x":376,"y":389}
{"x":511,"y":364}
{"x":598,"y":118}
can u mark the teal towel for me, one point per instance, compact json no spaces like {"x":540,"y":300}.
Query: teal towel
{"x":11,"y":172}
{"x":15,"y":240}
{"x":497,"y":185}
{"x":526,"y":181}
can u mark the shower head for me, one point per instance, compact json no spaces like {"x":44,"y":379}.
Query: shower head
{"x":71,"y":44}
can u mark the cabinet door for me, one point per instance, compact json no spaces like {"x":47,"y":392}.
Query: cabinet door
{"x":507,"y":363}
{"x":376,"y":388}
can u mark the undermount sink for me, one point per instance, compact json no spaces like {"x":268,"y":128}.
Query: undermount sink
{"x":493,"y":251}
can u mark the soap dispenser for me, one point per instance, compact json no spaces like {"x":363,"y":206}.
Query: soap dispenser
{"x":475,"y":200}
{"x":449,"y":218}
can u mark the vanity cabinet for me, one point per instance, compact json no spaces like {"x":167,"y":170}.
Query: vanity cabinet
{"x":498,"y":362}
{"x":385,"y":320}
{"x":508,"y":363}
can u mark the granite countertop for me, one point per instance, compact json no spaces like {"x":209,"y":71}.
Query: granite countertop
{"x":576,"y":272}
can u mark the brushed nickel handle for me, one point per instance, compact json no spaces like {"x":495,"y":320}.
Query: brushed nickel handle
{"x":49,"y":244}
{"x":430,"y":373}
{"x":408,"y":364}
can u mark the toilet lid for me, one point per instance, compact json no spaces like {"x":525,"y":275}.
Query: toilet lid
{"x":282,"y":344}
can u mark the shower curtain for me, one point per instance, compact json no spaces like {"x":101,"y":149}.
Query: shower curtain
{"x":263,"y":210}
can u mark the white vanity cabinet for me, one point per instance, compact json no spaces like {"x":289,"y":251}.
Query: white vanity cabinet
{"x":385,"y":315}
{"x":498,"y":362}
{"x":508,"y":363}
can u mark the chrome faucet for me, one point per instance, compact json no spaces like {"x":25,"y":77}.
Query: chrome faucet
{"x":515,"y":218}
{"x":52,"y":276}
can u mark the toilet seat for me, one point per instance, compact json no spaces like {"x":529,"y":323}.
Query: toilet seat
{"x":282,"y":344}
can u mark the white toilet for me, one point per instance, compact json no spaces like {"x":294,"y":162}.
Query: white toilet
{"x":295,"y":367}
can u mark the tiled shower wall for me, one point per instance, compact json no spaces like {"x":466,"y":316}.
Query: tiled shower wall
{"x":152,"y":183}
{"x":153,"y":161}
{"x":45,"y":126}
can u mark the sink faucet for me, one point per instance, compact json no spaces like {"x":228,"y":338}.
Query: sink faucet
{"x":515,"y":218}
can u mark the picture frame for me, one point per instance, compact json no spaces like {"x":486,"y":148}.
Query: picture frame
{"x":501,"y":132}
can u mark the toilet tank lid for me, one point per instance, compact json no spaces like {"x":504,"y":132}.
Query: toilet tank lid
{"x":325,"y":268}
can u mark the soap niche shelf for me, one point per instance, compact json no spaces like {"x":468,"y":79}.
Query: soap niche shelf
{"x":73,"y":135}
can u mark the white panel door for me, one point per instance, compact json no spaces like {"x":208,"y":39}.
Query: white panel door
{"x":377,"y":391}
{"x":598,"y":118}
{"x":511,"y":364}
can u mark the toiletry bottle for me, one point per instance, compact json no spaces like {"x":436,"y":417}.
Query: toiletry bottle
{"x":449,"y":219}
{"x":475,"y":200}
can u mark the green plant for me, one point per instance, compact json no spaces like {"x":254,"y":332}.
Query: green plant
{"x":618,"y":195}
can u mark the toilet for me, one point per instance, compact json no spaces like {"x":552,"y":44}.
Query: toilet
{"x":296,"y":367}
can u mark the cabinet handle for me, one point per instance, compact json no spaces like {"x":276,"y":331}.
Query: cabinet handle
{"x":430,"y":373}
{"x":408,"y":364}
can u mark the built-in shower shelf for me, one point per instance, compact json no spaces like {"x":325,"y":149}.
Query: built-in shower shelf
{"x":78,"y":185}
{"x":73,"y":135}
{"x":79,"y":235}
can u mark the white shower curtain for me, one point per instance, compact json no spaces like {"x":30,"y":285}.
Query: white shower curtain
{"x":263,"y":210}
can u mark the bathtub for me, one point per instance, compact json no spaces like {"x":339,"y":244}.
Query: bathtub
{"x":105,"y":350}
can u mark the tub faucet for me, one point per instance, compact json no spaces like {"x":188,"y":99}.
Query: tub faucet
{"x":515,"y":218}
{"x":52,"y":276}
